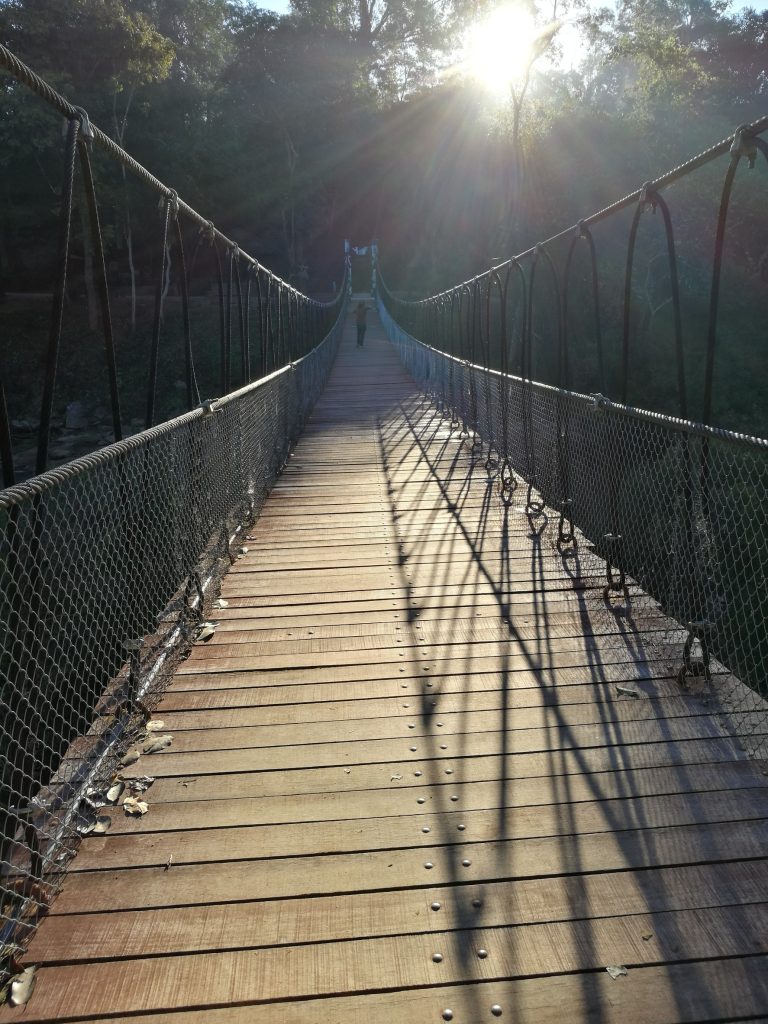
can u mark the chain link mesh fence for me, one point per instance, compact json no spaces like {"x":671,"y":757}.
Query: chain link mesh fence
{"x":671,"y":515}
{"x":107,"y":566}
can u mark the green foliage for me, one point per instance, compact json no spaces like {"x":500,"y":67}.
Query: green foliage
{"x":336,"y":121}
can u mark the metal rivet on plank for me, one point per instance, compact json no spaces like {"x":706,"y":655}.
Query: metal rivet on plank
{"x":437,"y":958}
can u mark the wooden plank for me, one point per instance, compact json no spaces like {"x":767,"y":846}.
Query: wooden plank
{"x":234,"y":829}
{"x":544,"y":750}
{"x":476,"y":712}
{"x":530,"y":652}
{"x":69,"y":938}
{"x":231,"y":881}
{"x":559,"y":624}
{"x":451,"y":688}
{"x":247,"y":752}
{"x":702,"y":762}
{"x":531,"y":709}
{"x":722,"y":990}
{"x":137,"y":986}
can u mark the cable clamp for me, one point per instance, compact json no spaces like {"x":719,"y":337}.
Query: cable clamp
{"x":134,"y":648}
{"x":86,"y":128}
{"x":598,"y":404}
{"x":700,"y":667}
{"x":648,"y":195}
{"x":614,"y":584}
{"x":743,"y":145}
{"x":208,"y":231}
{"x":209,"y":406}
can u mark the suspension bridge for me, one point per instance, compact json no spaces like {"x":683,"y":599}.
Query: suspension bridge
{"x":396,"y":683}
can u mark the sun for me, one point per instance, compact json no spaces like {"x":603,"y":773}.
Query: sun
{"x":498,"y":50}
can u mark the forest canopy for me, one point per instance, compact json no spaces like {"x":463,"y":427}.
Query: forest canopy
{"x":387,"y":119}
{"x":360,"y":117}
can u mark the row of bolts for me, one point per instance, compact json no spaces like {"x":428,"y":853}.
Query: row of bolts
{"x":437,"y":958}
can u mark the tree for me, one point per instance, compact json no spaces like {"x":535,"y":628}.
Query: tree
{"x":400,"y":42}
{"x":97,"y":53}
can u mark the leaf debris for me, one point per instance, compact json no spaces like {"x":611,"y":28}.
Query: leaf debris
{"x":158,"y":744}
{"x":22,"y":986}
{"x":135,"y":808}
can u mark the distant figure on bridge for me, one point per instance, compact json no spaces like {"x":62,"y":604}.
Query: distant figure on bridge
{"x":360,"y":314}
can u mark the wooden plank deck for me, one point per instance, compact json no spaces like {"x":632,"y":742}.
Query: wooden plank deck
{"x":403,"y":786}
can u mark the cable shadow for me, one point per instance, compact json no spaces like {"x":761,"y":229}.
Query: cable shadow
{"x":600,"y":643}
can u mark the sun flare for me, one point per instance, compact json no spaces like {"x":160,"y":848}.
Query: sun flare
{"x":498,"y":49}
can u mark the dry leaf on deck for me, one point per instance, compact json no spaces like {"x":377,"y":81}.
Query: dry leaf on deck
{"x":158,"y":744}
{"x":130,"y":758}
{"x":155,"y":725}
{"x":22,"y":986}
{"x":139,"y":783}
{"x":135,"y":808}
{"x":115,"y":791}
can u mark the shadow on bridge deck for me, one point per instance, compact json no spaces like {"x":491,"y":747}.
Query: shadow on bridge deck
{"x":422,"y":772}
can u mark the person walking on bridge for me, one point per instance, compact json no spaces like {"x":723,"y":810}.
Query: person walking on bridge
{"x":360,"y":314}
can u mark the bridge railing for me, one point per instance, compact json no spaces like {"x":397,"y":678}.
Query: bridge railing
{"x":255,"y":322}
{"x":674,"y":509}
{"x":107,"y":567}
{"x":109,"y":564}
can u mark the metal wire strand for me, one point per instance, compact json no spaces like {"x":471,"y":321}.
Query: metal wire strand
{"x":158,"y":315}
{"x":6,"y":445}
{"x":57,"y":309}
{"x":102,"y":285}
